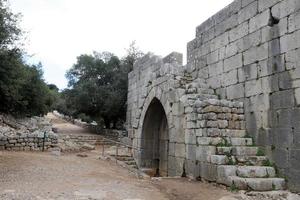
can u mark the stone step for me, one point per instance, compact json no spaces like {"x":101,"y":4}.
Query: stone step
{"x":219,"y":159}
{"x":125,"y":159}
{"x":224,"y":150}
{"x":244,"y":151}
{"x":130,"y":162}
{"x":204,"y":96}
{"x":233,"y":133}
{"x":251,"y":160}
{"x":255,"y":172}
{"x":219,"y":141}
{"x":193,"y":90}
{"x":239,"y":141}
{"x":256,"y":184}
{"x":237,"y":150}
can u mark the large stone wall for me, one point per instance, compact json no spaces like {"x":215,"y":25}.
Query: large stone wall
{"x":249,"y":51}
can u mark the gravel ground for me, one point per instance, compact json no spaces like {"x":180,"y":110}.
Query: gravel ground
{"x":38,"y":175}
{"x":28,"y":175}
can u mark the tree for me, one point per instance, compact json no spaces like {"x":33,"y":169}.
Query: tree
{"x":133,"y":53}
{"x":22,"y":88}
{"x":93,"y":79}
{"x":98,"y":86}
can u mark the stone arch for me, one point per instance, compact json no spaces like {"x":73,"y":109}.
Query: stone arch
{"x":155,"y":139}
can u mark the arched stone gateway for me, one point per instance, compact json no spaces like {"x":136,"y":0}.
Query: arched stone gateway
{"x":155,"y":139}
{"x":240,"y":83}
{"x":179,"y":125}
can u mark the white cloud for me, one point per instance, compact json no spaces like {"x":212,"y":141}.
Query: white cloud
{"x":60,"y":30}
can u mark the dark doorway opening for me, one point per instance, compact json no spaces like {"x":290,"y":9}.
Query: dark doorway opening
{"x":155,"y":140}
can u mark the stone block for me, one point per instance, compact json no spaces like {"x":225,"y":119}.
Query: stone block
{"x":209,"y":171}
{"x":285,"y":8}
{"x":295,"y":158}
{"x":215,"y":82}
{"x":246,"y":2}
{"x":219,"y":159}
{"x":248,"y":12}
{"x":191,"y":152}
{"x":297,"y":96}
{"x":192,"y":169}
{"x":294,"y":177}
{"x":180,"y":150}
{"x":201,"y":132}
{"x":220,"y":41}
{"x":255,"y":172}
{"x":259,"y":21}
{"x":253,"y":87}
{"x":230,"y":78}
{"x":239,"y":32}
{"x":266,"y":184}
{"x":292,"y":59}
{"x":211,"y":124}
{"x":205,"y":26}
{"x":274,"y":48}
{"x":224,"y":172}
{"x":171,"y":149}
{"x":241,"y":141}
{"x":232,"y":49}
{"x":269,"y":33}
{"x":294,"y":22}
{"x":203,"y":153}
{"x":266,"y":4}
{"x":282,"y":99}
{"x":283,"y":137}
{"x":233,"y":62}
{"x":242,"y":151}
{"x":209,"y":141}
{"x":270,"y":84}
{"x":177,"y":109}
{"x":248,"y":72}
{"x":235,"y":91}
{"x":281,"y":157}
{"x":213,"y":57}
{"x":215,"y":69}
{"x":190,"y":137}
{"x":256,"y":54}
{"x":290,"y":42}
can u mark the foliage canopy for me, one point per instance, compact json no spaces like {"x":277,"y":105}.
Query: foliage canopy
{"x":22,"y":88}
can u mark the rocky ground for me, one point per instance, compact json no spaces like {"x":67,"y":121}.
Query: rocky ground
{"x":82,"y":176}
{"x":12,"y":127}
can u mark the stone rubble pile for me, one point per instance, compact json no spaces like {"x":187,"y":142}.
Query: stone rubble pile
{"x":26,"y":134}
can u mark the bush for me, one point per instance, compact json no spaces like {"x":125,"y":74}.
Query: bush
{"x":84,"y":118}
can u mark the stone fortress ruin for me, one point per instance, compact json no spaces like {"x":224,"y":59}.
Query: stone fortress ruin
{"x":231,"y":115}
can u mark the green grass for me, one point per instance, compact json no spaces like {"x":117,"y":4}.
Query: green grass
{"x":267,"y":163}
{"x":224,"y":143}
{"x":260,"y":152}
{"x":233,"y":188}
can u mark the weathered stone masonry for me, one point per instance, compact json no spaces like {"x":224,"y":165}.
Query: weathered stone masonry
{"x":241,"y":81}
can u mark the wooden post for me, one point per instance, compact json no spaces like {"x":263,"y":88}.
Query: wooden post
{"x":117,"y":153}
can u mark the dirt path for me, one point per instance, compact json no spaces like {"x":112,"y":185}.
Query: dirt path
{"x":65,"y":127}
{"x":37,"y":175}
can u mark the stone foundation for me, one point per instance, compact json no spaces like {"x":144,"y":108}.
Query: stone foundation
{"x":30,"y":142}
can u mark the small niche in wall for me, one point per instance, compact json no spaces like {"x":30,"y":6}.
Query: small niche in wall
{"x":273,"y":20}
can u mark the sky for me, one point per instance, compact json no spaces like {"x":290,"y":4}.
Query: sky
{"x":57,"y":31}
